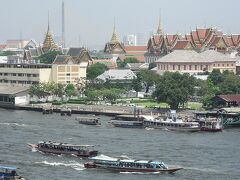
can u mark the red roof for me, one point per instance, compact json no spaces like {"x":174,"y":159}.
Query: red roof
{"x":136,"y":48}
{"x":230,"y":97}
{"x":181,"y":44}
{"x":3,"y":46}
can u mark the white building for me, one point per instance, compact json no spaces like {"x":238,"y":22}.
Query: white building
{"x":130,"y":40}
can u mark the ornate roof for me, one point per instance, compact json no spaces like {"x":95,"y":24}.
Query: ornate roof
{"x":49,"y":43}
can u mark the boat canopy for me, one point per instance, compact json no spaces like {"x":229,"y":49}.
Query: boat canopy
{"x":63,"y":144}
{"x":8,"y":168}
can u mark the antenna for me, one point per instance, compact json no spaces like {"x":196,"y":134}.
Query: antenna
{"x":63,"y":25}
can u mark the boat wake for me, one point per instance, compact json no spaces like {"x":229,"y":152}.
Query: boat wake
{"x":73,"y":164}
{"x":202,"y":169}
{"x":14,"y":124}
{"x":142,"y":173}
{"x":149,"y":129}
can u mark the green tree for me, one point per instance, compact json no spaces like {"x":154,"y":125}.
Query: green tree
{"x":152,"y":65}
{"x":95,"y":70}
{"x":70,"y":90}
{"x":174,"y":88}
{"x":148,"y":78}
{"x":122,"y":64}
{"x":216,"y":76}
{"x":136,"y":84}
{"x":48,"y":57}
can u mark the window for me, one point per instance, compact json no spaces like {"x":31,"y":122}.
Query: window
{"x":179,"y":67}
{"x":190,"y":67}
{"x":19,"y":74}
{"x":222,"y":65}
{"x":5,"y":74}
{"x":184,"y":67}
{"x":28,"y":75}
{"x":231,"y":64}
{"x":195,"y":67}
{"x":68,"y":74}
{"x":213,"y":65}
{"x":14,"y":74}
{"x":218,"y":65}
{"x":68,"y":82}
{"x":206,"y":67}
{"x":227,"y":65}
{"x":201,"y":67}
{"x":173,"y":67}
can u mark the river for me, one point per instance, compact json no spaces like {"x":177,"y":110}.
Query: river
{"x":202,"y":155}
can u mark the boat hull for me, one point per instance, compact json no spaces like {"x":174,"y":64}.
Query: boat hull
{"x":64,"y":152}
{"x":122,"y":169}
{"x":211,"y":129}
{"x":181,"y":129}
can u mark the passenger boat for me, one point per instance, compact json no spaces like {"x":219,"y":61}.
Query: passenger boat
{"x":88,"y":121}
{"x":127,"y":124}
{"x":9,"y":173}
{"x":129,"y":165}
{"x":172,"y":123}
{"x":64,"y":148}
{"x":210,"y":124}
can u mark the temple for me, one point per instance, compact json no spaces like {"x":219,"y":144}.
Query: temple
{"x":32,"y":49}
{"x":199,"y":40}
{"x":114,"y":46}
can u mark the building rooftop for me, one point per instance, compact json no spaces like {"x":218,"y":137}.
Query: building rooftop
{"x":117,"y":74}
{"x":12,"y":90}
{"x":193,"y":56}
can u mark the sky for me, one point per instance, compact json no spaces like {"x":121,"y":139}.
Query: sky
{"x":89,"y":23}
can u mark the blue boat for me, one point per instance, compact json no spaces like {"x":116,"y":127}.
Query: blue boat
{"x":9,"y":173}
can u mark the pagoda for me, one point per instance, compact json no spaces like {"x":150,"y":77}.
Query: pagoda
{"x":114,"y":46}
{"x":49,"y":44}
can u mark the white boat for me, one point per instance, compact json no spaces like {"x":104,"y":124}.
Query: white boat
{"x":172,"y":123}
{"x":129,"y":165}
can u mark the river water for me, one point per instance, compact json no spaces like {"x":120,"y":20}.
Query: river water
{"x":203,"y":155}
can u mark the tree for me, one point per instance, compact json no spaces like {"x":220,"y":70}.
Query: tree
{"x":215,"y":76}
{"x":152,"y":65}
{"x":70,"y":90}
{"x":174,"y":88}
{"x":95,"y":70}
{"x":147,"y":78}
{"x":122,"y":64}
{"x":48,"y":57}
{"x":136,"y":84}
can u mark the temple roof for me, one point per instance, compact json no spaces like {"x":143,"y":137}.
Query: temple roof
{"x":49,"y":43}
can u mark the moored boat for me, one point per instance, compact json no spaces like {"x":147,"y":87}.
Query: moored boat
{"x":9,"y":173}
{"x":127,"y":124}
{"x":172,"y":123}
{"x":65,"y":148}
{"x":129,"y":165}
{"x":88,"y":121}
{"x":210,"y":125}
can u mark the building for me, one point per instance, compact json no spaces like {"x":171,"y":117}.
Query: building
{"x":118,"y":75}
{"x":228,"y":100}
{"x":114,"y":47}
{"x":142,"y":39}
{"x":135,"y":67}
{"x":16,"y":44}
{"x":130,"y":40}
{"x":135,"y":52}
{"x":199,"y":40}
{"x":32,"y":49}
{"x":192,"y":62}
{"x":14,"y":95}
{"x":24,"y":74}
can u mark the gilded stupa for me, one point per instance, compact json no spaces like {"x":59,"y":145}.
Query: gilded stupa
{"x":114,"y":46}
{"x":49,"y":44}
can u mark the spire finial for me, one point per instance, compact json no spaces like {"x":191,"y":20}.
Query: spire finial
{"x":160,"y":25}
{"x":48,"y":22}
{"x":114,"y":35}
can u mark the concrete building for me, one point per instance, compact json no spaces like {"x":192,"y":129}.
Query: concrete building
{"x":187,"y":61}
{"x":16,"y":44}
{"x":130,"y":40}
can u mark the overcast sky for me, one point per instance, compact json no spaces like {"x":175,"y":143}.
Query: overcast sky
{"x":90,"y":22}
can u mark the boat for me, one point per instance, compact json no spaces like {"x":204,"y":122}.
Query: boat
{"x":172,"y":123}
{"x":127,"y":124}
{"x":210,"y":124}
{"x":9,"y":173}
{"x":88,"y":121}
{"x":129,"y":165}
{"x":65,"y":148}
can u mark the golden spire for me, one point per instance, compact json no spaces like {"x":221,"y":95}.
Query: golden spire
{"x":114,"y":38}
{"x":160,"y":25}
{"x":49,"y":43}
